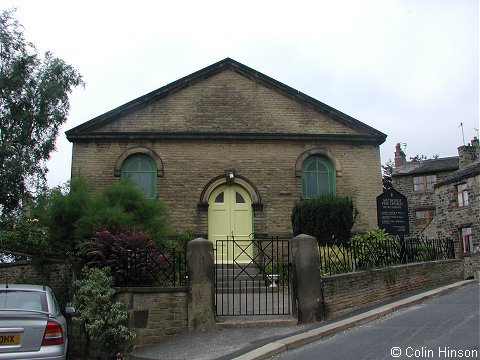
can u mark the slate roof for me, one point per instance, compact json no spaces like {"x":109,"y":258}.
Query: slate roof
{"x":87,"y":129}
{"x":431,"y":166}
{"x":465,"y":173}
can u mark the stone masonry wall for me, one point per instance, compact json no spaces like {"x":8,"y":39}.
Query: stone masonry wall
{"x":269,"y":165}
{"x":347,"y":292}
{"x":228,"y":102}
{"x":233,"y":104}
{"x":158,"y":313}
{"x":155,"y":313}
{"x":55,"y":274}
{"x":451,"y":218}
{"x":472,"y":266}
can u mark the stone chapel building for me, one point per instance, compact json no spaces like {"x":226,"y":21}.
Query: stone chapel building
{"x":229,"y":151}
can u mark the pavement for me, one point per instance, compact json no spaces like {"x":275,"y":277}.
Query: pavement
{"x":260,"y":337}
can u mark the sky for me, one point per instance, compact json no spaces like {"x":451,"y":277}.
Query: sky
{"x":408,"y":68}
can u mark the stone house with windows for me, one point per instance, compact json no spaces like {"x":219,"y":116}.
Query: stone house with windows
{"x":416,"y":181}
{"x":229,"y":150}
{"x":443,"y":196}
{"x":458,"y":205}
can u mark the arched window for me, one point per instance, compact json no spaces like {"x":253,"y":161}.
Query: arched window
{"x":141,"y":170}
{"x":318,"y":177}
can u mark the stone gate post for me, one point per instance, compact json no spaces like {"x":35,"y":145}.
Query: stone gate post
{"x":201,"y":285}
{"x":306,"y":286}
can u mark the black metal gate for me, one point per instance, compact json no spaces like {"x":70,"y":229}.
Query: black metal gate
{"x":252,"y":277}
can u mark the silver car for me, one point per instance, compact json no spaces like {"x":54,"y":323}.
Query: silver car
{"x":31,"y":324}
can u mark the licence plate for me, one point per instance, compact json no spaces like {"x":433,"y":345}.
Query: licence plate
{"x":9,"y":339}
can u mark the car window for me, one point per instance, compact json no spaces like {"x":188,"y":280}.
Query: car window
{"x":23,"y":300}
{"x":56,"y":309}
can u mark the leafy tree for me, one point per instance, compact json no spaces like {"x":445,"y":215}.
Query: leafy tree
{"x":74,"y":215}
{"x":125,"y":205}
{"x":33,"y":105}
{"x":387,"y":170}
{"x":418,"y":158}
{"x":24,"y":236}
{"x":62,"y":211}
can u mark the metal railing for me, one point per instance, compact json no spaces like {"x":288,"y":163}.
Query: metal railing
{"x":144,"y":267}
{"x":252,"y":277}
{"x":337,"y":257}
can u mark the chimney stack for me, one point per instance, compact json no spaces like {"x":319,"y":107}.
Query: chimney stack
{"x":468,"y":154}
{"x":400,"y":157}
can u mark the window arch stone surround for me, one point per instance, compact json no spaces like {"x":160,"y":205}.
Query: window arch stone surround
{"x":319,"y":152}
{"x":138,"y":150}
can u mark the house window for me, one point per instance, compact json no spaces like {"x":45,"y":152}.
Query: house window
{"x":141,"y":170}
{"x":462,"y":195}
{"x":318,"y":177}
{"x":466,"y":240}
{"x":424,"y":183}
{"x":423,"y":217}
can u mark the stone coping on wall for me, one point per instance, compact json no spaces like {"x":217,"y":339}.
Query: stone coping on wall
{"x":361,"y":273}
{"x":343,"y":293}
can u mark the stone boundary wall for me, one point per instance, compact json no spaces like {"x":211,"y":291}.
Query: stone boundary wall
{"x":155,"y":313}
{"x":54,"y":273}
{"x":158,"y":313}
{"x":472,"y":266}
{"x":344,"y":293}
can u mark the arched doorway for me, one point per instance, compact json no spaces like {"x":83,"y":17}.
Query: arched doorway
{"x":230,"y":223}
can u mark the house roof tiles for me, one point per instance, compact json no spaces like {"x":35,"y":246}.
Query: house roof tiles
{"x":427,"y":166}
{"x":462,"y":174}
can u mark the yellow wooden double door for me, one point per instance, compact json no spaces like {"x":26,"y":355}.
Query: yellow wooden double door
{"x":230,"y":217}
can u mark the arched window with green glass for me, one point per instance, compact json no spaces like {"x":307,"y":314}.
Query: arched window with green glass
{"x":318,"y":177}
{"x":141,"y":170}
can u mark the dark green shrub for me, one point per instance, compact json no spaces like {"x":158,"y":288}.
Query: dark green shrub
{"x":180,"y":241}
{"x":62,"y":211}
{"x":335,"y":258}
{"x":374,"y":249}
{"x":74,"y":215}
{"x":325,"y":217}
{"x":418,"y":251}
{"x":125,"y":205}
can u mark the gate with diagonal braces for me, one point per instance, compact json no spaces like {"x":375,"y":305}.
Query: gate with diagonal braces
{"x":252,"y":277}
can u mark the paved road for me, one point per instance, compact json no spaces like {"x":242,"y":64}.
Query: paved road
{"x":443,"y":328}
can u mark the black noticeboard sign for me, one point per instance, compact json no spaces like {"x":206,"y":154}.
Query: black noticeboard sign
{"x":392,"y":213}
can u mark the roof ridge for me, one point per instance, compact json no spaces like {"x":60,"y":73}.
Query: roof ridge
{"x":210,"y":71}
{"x":434,"y":159}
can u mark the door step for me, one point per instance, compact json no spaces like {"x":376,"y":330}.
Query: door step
{"x":229,"y":322}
